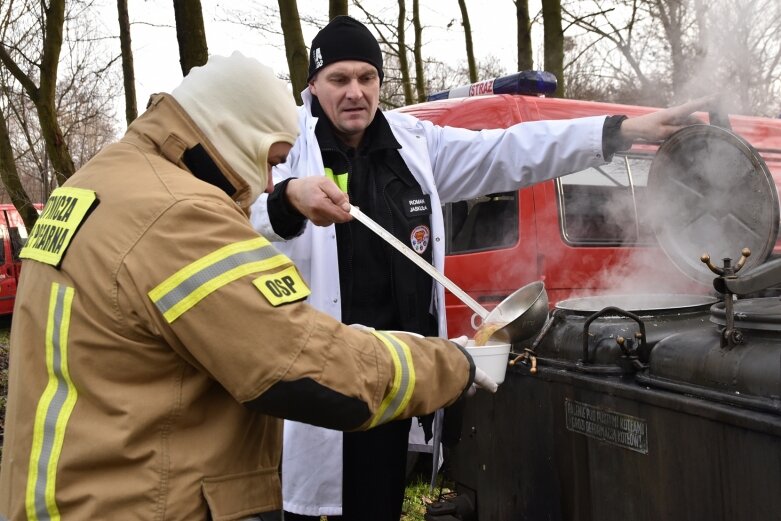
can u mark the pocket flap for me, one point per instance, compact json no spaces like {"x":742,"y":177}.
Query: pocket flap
{"x":239,"y":495}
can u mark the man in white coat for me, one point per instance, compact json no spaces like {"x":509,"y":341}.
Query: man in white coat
{"x":399,"y":170}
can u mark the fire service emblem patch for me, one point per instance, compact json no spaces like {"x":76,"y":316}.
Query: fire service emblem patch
{"x":419,"y":238}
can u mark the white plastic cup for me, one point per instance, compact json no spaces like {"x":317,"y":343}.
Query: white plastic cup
{"x":492,"y":358}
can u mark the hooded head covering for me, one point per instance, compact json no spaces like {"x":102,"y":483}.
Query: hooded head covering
{"x":242,"y":108}
{"x":344,"y":38}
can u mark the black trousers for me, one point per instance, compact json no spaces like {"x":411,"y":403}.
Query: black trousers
{"x":375,"y":466}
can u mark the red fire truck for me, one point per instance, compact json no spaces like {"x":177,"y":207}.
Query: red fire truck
{"x":583,"y":233}
{"x":13,"y":235}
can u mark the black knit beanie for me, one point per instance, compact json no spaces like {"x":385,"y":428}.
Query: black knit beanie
{"x":344,"y":38}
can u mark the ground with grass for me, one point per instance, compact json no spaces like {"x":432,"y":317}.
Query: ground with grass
{"x":417,"y":497}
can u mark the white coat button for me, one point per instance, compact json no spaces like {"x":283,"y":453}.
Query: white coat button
{"x":336,"y":300}
{"x":437,"y":239}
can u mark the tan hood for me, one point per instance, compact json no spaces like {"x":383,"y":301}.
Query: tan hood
{"x":242,"y":108}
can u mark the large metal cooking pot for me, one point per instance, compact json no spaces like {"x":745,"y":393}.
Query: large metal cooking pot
{"x":586,"y":329}
{"x":640,"y":304}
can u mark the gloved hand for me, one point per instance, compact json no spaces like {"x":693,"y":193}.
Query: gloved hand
{"x":482,"y":380}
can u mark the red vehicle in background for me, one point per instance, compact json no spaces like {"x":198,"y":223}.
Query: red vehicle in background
{"x":13,"y":235}
{"x":583,"y":233}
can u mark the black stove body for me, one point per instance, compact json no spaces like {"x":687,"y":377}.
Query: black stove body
{"x":681,"y":427}
{"x":645,"y":408}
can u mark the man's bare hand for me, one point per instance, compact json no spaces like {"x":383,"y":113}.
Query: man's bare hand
{"x":661,"y":124}
{"x":319,"y":200}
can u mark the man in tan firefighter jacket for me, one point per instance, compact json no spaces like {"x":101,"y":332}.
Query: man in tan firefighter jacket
{"x":157,"y":339}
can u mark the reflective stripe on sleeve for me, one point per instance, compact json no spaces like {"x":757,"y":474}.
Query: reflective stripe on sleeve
{"x":403,"y":379}
{"x":53,"y":411}
{"x":188,"y":286}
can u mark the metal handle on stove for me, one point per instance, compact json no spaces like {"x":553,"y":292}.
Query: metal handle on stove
{"x":612,"y":310}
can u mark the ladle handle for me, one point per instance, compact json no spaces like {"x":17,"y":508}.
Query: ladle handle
{"x":418,"y":260}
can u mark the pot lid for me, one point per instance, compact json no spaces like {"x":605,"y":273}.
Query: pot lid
{"x":754,"y":313}
{"x":709,"y":191}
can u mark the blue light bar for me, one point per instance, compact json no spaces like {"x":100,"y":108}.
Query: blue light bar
{"x":524,"y":82}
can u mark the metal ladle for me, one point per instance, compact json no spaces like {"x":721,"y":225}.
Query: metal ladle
{"x":524,"y":311}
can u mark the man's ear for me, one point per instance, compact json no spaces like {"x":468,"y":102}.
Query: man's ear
{"x":312,"y":88}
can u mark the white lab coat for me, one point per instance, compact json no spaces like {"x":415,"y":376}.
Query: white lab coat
{"x":451,"y":164}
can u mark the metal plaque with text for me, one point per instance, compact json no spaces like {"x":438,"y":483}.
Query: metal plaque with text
{"x":606,"y":425}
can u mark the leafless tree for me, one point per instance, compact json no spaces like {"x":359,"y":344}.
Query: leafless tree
{"x":401,"y":44}
{"x":554,"y":42}
{"x":442,"y":76}
{"x":524,"y":37}
{"x":396,"y":65}
{"x":128,"y":72}
{"x":470,"y":52}
{"x":282,"y":23}
{"x":738,"y":54}
{"x":672,"y":50}
{"x":10,"y":177}
{"x":84,"y":91}
{"x":336,"y":8}
{"x":417,"y":52}
{"x":191,"y":34}
{"x":295,"y":48}
{"x":48,"y":21}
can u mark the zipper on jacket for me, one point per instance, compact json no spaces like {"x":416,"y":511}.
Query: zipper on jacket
{"x":394,"y":254}
{"x":351,"y":248}
{"x":346,"y":296}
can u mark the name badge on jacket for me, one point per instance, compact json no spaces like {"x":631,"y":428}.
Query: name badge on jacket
{"x":415,"y":205}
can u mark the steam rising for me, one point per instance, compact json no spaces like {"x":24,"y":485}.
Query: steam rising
{"x":708,"y":193}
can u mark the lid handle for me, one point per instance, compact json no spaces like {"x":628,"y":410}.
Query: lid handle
{"x":728,"y":270}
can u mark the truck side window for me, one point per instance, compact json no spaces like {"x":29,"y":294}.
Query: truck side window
{"x":486,"y":223}
{"x":17,"y":242}
{"x":603,"y":206}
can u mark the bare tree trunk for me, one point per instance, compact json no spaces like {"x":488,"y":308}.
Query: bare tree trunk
{"x":525,"y":56}
{"x":470,"y":53}
{"x":671,"y":15}
{"x":43,"y":96}
{"x":295,"y":48}
{"x":191,"y":34}
{"x":623,"y":42}
{"x":703,"y":36}
{"x":420,"y":75}
{"x":554,"y":42}
{"x":128,"y":72}
{"x":11,"y":181}
{"x":406,"y":82}
{"x":335,"y":8}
